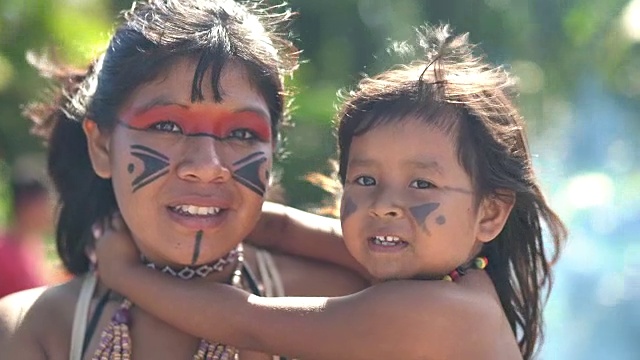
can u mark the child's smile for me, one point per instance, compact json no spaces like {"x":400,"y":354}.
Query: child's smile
{"x":408,"y":209}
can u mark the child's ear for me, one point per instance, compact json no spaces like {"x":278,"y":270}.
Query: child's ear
{"x":493,"y":214}
{"x":98,"y":146}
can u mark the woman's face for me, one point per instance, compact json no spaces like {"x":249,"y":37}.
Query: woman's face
{"x":189,"y":178}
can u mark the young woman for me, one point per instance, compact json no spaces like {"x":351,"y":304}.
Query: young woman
{"x":175,"y":127}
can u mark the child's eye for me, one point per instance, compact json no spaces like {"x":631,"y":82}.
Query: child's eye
{"x":421,"y":184}
{"x":242,"y":134}
{"x":166,"y":126}
{"x":365,"y":180}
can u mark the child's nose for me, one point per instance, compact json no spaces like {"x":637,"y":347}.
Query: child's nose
{"x":386,"y":206}
{"x":201,"y":162}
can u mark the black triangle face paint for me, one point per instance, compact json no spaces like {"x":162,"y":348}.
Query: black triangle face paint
{"x":421,"y":212}
{"x":155,"y":165}
{"x":348,"y":208}
{"x":247,"y":172}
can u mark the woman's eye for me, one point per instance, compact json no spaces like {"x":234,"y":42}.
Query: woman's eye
{"x":166,"y":126}
{"x":365,"y":181}
{"x":421,"y":184}
{"x":242,"y":134}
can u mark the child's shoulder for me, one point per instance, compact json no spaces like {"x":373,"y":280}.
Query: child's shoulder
{"x":472,"y":294}
{"x":439,"y":319}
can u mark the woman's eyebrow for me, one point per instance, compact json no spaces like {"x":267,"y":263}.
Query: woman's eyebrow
{"x":160,"y":101}
{"x":253,"y":109}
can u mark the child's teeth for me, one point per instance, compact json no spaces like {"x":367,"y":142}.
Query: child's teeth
{"x":386,"y":240}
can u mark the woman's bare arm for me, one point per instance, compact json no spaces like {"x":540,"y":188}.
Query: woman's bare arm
{"x":296,"y":232}
{"x":17,"y":334}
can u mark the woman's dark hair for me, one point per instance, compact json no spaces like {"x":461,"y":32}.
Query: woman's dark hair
{"x":154,"y":35}
{"x":459,"y":93}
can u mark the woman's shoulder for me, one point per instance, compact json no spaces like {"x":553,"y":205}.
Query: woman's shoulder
{"x":38,"y":311}
{"x":307,"y":277}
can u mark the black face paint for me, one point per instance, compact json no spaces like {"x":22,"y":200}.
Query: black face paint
{"x":196,"y":248}
{"x":247,"y":172}
{"x":440,"y":220}
{"x":154,"y":164}
{"x":421,"y":212}
{"x":348,"y":208}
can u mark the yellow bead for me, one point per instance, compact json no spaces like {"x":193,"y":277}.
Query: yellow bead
{"x":481,"y":263}
{"x":447,"y":278}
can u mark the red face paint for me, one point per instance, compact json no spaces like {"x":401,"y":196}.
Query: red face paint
{"x":201,"y":120}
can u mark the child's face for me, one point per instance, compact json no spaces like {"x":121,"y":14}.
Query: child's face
{"x":189,"y":178}
{"x":408,"y":207}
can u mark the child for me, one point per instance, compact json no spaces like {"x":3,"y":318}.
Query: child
{"x":439,"y":194}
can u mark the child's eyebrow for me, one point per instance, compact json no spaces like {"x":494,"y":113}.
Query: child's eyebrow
{"x":362,"y":162}
{"x":431,"y":165}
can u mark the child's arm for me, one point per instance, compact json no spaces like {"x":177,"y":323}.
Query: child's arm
{"x":402,"y":319}
{"x":296,"y":232}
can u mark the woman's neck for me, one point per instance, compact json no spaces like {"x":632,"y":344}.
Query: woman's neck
{"x":219,"y":270}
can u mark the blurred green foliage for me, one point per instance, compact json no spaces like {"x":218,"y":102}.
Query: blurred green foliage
{"x":550,"y":44}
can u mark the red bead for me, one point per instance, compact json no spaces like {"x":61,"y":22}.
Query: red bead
{"x":455,"y":275}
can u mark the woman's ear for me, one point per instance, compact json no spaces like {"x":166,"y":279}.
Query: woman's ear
{"x":493,"y":214}
{"x":98,"y":146}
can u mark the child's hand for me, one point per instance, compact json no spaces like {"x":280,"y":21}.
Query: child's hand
{"x":115,"y":251}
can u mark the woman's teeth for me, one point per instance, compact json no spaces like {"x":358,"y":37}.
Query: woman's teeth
{"x":196,"y":210}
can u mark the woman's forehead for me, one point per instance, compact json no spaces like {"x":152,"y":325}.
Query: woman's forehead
{"x":175,"y":85}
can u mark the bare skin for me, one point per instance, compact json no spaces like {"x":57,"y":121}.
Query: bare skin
{"x":291,"y":231}
{"x":441,"y":313}
{"x":38,"y":322}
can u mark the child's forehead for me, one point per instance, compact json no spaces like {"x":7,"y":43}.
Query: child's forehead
{"x":407,"y":139}
{"x":410,"y":126}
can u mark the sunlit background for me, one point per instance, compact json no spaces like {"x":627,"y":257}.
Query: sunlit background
{"x":578,"y":62}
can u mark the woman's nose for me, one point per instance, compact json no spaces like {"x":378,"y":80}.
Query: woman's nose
{"x":201,"y":162}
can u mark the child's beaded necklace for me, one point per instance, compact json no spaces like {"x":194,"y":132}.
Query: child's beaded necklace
{"x":477,"y":263}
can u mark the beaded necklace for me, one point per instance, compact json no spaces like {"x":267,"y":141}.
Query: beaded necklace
{"x":477,"y":263}
{"x":188,"y":272}
{"x":115,"y":341}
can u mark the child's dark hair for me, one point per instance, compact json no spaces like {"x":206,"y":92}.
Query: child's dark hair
{"x":460,"y":94}
{"x":155,"y":34}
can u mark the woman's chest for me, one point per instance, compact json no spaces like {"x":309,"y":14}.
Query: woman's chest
{"x":150,"y":338}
